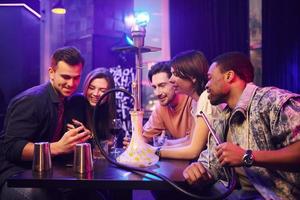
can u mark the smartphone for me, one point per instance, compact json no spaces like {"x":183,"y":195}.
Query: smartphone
{"x":76,"y":126}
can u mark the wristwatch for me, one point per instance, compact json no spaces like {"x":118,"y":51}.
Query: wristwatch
{"x":157,"y":151}
{"x":248,"y":158}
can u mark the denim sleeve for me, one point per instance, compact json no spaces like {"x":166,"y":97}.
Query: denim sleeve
{"x":286,"y":123}
{"x":209,"y":160}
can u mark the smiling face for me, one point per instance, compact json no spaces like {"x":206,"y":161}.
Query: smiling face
{"x":163,"y":89}
{"x":96,"y":89}
{"x":185,"y":86}
{"x":217,"y":86}
{"x":65,"y":78}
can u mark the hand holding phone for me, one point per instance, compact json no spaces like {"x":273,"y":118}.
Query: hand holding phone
{"x":77,"y":124}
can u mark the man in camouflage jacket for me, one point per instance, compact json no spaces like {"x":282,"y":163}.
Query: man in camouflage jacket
{"x":260,"y":131}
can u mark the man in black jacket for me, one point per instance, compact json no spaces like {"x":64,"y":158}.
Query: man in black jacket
{"x":36,"y":115}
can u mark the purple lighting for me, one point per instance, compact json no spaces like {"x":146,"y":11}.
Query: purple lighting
{"x":22,"y":5}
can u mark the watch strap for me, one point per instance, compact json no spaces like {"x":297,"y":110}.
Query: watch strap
{"x":157,"y":152}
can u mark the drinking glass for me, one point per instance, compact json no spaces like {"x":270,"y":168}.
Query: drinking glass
{"x":116,"y":130}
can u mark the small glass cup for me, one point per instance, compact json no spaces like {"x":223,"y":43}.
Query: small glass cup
{"x":117,"y":127}
{"x":41,"y":157}
{"x":83,"y":161}
{"x":96,"y":151}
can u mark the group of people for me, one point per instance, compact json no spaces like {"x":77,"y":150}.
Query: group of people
{"x":49,"y":113}
{"x":253,"y":123}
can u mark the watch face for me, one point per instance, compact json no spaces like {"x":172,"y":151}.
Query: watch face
{"x":248,"y":158}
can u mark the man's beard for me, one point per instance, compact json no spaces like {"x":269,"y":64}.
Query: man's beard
{"x":217,"y":99}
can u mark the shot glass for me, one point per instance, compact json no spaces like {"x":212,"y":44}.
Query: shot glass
{"x":41,"y":157}
{"x":83,"y":161}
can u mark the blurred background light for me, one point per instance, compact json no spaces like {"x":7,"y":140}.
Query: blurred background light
{"x":58,"y":8}
{"x":128,"y":40}
{"x":142,"y":18}
{"x":138,"y":18}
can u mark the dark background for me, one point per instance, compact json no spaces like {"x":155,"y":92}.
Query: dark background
{"x":211,"y":26}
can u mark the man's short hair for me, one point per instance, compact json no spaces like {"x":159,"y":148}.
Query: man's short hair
{"x":237,"y":62}
{"x":158,"y":68}
{"x":70,"y":55}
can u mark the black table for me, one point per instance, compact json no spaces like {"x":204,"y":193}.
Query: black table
{"x":104,"y":176}
{"x":107,"y":176}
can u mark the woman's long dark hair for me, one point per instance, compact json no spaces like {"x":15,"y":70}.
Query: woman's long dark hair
{"x":107,"y":108}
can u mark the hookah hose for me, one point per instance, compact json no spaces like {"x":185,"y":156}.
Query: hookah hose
{"x":231,"y":176}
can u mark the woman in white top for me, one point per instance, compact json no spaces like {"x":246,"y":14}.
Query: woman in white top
{"x":189,"y":76}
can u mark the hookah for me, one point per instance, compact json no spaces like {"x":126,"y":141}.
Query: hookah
{"x":139,"y":155}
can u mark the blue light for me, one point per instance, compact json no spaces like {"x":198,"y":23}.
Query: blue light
{"x":138,"y":18}
{"x":142,"y":18}
{"x":129,"y":40}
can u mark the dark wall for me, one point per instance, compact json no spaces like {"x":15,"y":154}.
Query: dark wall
{"x":281,"y":44}
{"x":34,"y":4}
{"x":95,"y":27}
{"x":19,"y":51}
{"x":211,"y":26}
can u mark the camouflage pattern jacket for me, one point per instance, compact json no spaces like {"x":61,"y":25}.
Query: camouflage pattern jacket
{"x":263,"y":119}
